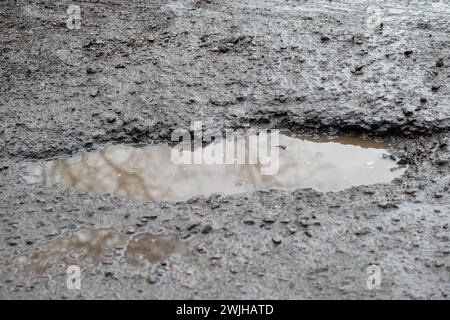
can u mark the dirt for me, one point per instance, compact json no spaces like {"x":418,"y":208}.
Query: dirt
{"x":137,"y":70}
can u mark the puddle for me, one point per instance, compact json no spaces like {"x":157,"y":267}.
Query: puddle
{"x":148,"y":173}
{"x":153,"y":248}
{"x":88,"y":248}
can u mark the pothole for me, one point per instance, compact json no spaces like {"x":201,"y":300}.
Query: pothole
{"x":88,"y":248}
{"x":149,"y":173}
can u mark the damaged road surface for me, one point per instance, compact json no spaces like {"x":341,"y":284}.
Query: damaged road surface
{"x":151,"y":174}
{"x":358,"y":89}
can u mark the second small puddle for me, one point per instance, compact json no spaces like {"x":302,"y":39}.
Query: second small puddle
{"x":148,"y":173}
{"x":90,"y":247}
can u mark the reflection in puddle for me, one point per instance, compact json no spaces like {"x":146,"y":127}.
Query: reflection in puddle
{"x":88,"y":248}
{"x":153,"y":248}
{"x":149,"y":173}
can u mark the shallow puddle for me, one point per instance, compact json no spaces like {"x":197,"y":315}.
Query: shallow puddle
{"x":150,"y":173}
{"x":88,"y":248}
{"x":153,"y":248}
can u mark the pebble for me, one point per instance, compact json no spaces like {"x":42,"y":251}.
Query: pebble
{"x":407,"y":53}
{"x":387,"y":205}
{"x":435,"y":87}
{"x":407,"y":111}
{"x":276,"y":240}
{"x":222,"y":48}
{"x":151,"y":279}
{"x":94,"y":92}
{"x":249,"y":221}
{"x":357,"y":70}
{"x":207,"y":229}
{"x":91,"y":70}
{"x":304,"y":222}
{"x":110,"y":118}
{"x":442,"y":162}
{"x":440,"y":63}
{"x":292,"y":228}
{"x":269,"y":219}
{"x":346,"y":288}
{"x":192,"y":226}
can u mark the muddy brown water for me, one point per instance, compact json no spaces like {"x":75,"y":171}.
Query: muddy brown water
{"x":88,"y":248}
{"x":148,"y":173}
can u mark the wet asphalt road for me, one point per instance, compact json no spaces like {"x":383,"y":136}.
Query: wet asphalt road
{"x":136,"y":70}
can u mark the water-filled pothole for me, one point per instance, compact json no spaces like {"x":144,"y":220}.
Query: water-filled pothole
{"x":149,"y":173}
{"x":88,"y":248}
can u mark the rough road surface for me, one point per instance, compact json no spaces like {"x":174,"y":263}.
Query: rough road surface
{"x":136,"y":70}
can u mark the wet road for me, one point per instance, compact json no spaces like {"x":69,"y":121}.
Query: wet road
{"x":135,"y":71}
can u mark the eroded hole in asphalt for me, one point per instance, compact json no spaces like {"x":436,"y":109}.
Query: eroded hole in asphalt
{"x":88,"y":248}
{"x":153,"y":248}
{"x":149,"y":173}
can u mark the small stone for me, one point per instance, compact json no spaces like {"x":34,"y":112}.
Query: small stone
{"x":215,"y":205}
{"x":410,"y":191}
{"x":442,"y":162}
{"x":408,"y":110}
{"x":91,"y":70}
{"x":52,"y":233}
{"x":292,"y":228}
{"x":207,"y":229}
{"x":151,"y":279}
{"x":346,"y":288}
{"x":222,"y":48}
{"x":387,"y":205}
{"x":362,"y":231}
{"x":276,"y":240}
{"x":435,"y":87}
{"x":324,"y":38}
{"x":281,"y":98}
{"x":151,"y":216}
{"x":440,"y":63}
{"x":192,"y":226}
{"x":357,"y":70}
{"x":438,"y":264}
{"x":111,"y":118}
{"x":94,"y":92}
{"x":304,"y":222}
{"x":33,"y":68}
{"x":249,"y":221}
{"x":269,"y":219}
{"x":408,"y":53}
